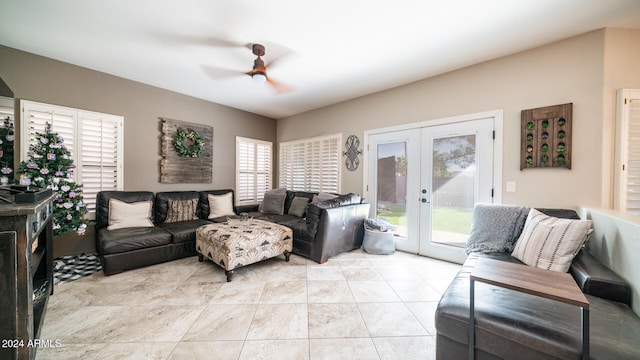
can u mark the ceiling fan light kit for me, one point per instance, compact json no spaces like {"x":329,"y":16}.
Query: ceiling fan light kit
{"x":259,"y":77}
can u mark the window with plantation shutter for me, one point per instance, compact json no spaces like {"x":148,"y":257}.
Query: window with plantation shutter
{"x":253,"y":170}
{"x":628,"y":140}
{"x":95,"y":141}
{"x":311,"y":164}
{"x":101,"y":157}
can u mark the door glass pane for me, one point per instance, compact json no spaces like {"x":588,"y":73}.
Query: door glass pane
{"x":392,"y":185}
{"x":453,"y":188}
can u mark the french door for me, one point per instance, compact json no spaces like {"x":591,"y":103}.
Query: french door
{"x":426,"y":180}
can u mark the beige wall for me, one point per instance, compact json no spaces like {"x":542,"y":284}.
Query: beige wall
{"x":622,"y":71}
{"x":563,"y":72}
{"x":45,"y":80}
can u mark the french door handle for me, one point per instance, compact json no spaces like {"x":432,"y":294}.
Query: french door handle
{"x":424,"y":200}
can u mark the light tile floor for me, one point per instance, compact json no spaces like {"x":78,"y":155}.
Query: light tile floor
{"x":355,"y":306}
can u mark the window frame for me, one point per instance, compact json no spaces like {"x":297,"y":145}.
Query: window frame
{"x":264,"y":174}
{"x":321,"y":153}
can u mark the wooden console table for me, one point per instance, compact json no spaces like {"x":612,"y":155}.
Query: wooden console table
{"x":530,"y":280}
{"x":26,"y":275}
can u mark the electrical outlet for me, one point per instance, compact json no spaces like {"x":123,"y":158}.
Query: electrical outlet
{"x":511,"y":186}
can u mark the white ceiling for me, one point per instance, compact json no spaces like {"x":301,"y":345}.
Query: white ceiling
{"x":335,"y":49}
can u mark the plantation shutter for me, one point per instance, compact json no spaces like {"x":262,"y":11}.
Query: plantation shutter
{"x":62,"y":121}
{"x":630,"y":151}
{"x":311,"y":164}
{"x":100,"y":159}
{"x":253,"y":169}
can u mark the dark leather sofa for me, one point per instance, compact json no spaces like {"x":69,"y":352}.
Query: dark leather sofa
{"x":329,"y":228}
{"x":513,"y":325}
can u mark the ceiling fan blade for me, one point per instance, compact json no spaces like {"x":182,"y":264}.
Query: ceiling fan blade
{"x":220,"y":73}
{"x":221,"y":42}
{"x":279,"y":87}
{"x":278,"y":60}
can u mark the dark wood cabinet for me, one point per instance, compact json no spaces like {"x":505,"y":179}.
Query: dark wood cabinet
{"x":26,"y":275}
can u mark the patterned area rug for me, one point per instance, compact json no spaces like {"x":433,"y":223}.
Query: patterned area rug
{"x":69,"y":268}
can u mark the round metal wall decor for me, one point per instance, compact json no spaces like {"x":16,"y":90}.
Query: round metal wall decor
{"x":352,"y":152}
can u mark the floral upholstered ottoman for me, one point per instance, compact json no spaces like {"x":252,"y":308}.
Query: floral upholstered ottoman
{"x":239,"y":243}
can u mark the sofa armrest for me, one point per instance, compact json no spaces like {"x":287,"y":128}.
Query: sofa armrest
{"x":340,"y":229}
{"x":596,"y":279}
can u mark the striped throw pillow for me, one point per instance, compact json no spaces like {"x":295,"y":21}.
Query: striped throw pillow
{"x":550,"y":243}
{"x":181,"y":210}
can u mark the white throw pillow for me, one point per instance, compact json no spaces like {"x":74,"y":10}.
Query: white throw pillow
{"x":550,"y":243}
{"x":126,"y":215}
{"x":220,"y":205}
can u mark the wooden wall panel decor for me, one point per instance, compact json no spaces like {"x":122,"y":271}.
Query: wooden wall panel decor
{"x":176,"y":169}
{"x":546,"y":137}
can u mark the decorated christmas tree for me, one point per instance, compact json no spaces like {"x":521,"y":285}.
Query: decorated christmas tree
{"x":6,"y":150}
{"x":50,"y":166}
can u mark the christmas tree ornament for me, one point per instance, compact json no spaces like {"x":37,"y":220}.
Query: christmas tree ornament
{"x":44,"y":140}
{"x":6,"y":170}
{"x":10,"y":137}
{"x":32,"y":165}
{"x":44,"y":171}
{"x":65,"y":188}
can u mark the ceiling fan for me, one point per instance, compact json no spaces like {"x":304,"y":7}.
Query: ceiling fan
{"x":258,"y":72}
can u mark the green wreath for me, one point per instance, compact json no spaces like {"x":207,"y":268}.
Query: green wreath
{"x":195,"y":149}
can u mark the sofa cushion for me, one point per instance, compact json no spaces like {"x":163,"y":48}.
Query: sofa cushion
{"x":128,"y":239}
{"x":129,"y":215}
{"x":515,"y":325}
{"x":550,"y":243}
{"x":220,"y":205}
{"x":181,"y":210}
{"x":298,"y":206}
{"x":495,"y":227}
{"x":183,"y":231}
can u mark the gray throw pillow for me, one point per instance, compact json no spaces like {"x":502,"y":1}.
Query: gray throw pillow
{"x":278,"y":191}
{"x":495,"y":228}
{"x":298,"y":206}
{"x":273,"y":204}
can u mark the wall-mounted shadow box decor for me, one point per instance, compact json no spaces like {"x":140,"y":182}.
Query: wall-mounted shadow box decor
{"x":546,"y":137}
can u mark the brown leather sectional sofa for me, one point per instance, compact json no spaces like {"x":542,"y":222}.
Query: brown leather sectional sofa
{"x":329,"y":228}
{"x":513,"y":325}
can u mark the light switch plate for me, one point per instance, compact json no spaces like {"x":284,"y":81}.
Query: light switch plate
{"x":511,"y":186}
